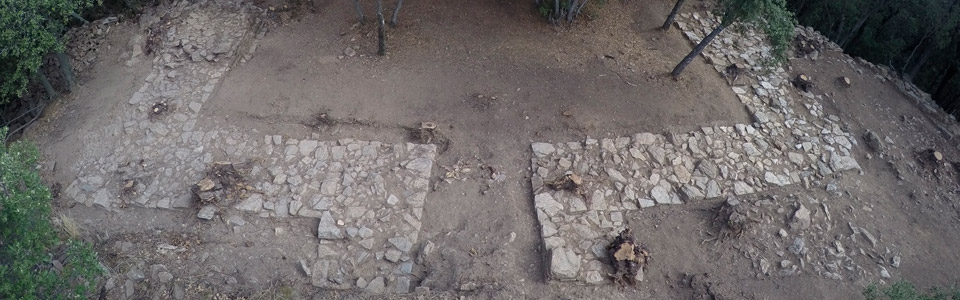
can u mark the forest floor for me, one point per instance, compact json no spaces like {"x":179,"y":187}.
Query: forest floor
{"x":279,"y":81}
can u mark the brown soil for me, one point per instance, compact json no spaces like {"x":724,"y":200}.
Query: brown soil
{"x":604,"y":77}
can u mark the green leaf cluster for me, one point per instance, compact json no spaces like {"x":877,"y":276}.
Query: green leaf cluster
{"x":28,"y":240}
{"x":772,"y":16}
{"x":904,"y":290}
{"x":29,"y":29}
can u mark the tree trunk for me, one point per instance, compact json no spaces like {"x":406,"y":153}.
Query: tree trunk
{"x":51,"y":93}
{"x":696,"y":50}
{"x":672,"y":15}
{"x":396,"y":12}
{"x":66,"y":70}
{"x":856,"y":28}
{"x":356,"y":5}
{"x":940,"y":94}
{"x":381,"y":33}
{"x":927,"y":53}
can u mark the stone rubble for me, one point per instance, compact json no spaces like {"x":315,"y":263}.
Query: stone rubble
{"x":368,"y":196}
{"x":792,"y":141}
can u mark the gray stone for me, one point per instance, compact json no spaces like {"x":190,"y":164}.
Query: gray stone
{"x":236,"y":220}
{"x":657,"y":153}
{"x":135,"y":273}
{"x":616,"y":175}
{"x":751,"y":149}
{"x":164,"y":277}
{"x":884,"y":273}
{"x":741,"y":188}
{"x":683,"y":175}
{"x":691,"y":193}
{"x":801,"y":218}
{"x":708,"y":168}
{"x":593,"y":277}
{"x":207,"y":212}
{"x":760,"y":117}
{"x":392,"y":200}
{"x":873,"y":141}
{"x":795,"y":158}
{"x":660,"y":194}
{"x":542,"y":149}
{"x":377,"y":285}
{"x":401,"y":243}
{"x":329,"y":187}
{"x":328,"y":229}
{"x":307,"y":147}
{"x":713,"y":189}
{"x":564,"y":264}
{"x":843,"y":163}
{"x":644,"y":203}
{"x":546,"y":203}
{"x":253,"y":203}
{"x":402,"y":286}
{"x":295,"y":206}
{"x":771,"y":178}
{"x":797,"y":247}
{"x":420,"y":166}
{"x":393,"y":255}
{"x":645,"y":138}
{"x":305,"y":268}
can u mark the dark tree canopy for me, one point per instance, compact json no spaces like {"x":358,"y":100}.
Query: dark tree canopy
{"x":918,"y":38}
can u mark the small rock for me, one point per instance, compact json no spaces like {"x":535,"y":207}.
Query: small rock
{"x":542,"y":149}
{"x":207,"y":212}
{"x":895,"y":261}
{"x":349,"y":51}
{"x":253,"y":203}
{"x":873,"y":141}
{"x":305,"y":268}
{"x":377,"y":285}
{"x":884,"y":273}
{"x":564,"y":264}
{"x":328,"y":230}
{"x":164,"y":277}
{"x":801,"y":218}
{"x":798,"y":247}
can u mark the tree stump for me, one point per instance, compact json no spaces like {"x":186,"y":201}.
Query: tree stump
{"x":844,"y":81}
{"x":802,"y":82}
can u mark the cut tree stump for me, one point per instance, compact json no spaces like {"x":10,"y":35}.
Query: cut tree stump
{"x":844,"y":81}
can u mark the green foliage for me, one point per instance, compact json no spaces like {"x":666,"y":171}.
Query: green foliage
{"x":29,"y":29}
{"x":27,"y":237}
{"x":771,"y":16}
{"x":904,"y":290}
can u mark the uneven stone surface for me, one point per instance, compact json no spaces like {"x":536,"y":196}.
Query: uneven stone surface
{"x":783,"y":147}
{"x":371,"y":189}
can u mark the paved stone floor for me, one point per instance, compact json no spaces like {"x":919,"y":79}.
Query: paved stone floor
{"x":367,"y":195}
{"x":790,"y":141}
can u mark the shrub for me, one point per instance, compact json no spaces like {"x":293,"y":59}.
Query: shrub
{"x":904,"y":290}
{"x":28,"y":241}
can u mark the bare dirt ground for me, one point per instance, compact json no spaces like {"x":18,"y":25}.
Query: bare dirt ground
{"x":495,"y":77}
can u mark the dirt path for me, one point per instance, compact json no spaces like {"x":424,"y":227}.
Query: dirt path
{"x":308,"y":123}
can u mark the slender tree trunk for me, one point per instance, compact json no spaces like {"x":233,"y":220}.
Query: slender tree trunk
{"x":356,"y":5}
{"x":696,"y":50}
{"x":396,"y":13}
{"x":672,"y":15}
{"x":927,"y":53}
{"x":914,"y":51}
{"x":571,"y":11}
{"x":856,"y":28}
{"x":51,"y":93}
{"x":940,"y":93}
{"x":67,"y":70}
{"x":381,"y":33}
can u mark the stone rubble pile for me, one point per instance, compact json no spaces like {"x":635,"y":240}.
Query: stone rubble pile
{"x":791,"y":141}
{"x":368,"y":196}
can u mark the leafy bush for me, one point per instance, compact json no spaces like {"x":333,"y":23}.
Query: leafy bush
{"x":28,"y":241}
{"x":29,"y":30}
{"x":904,"y":290}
